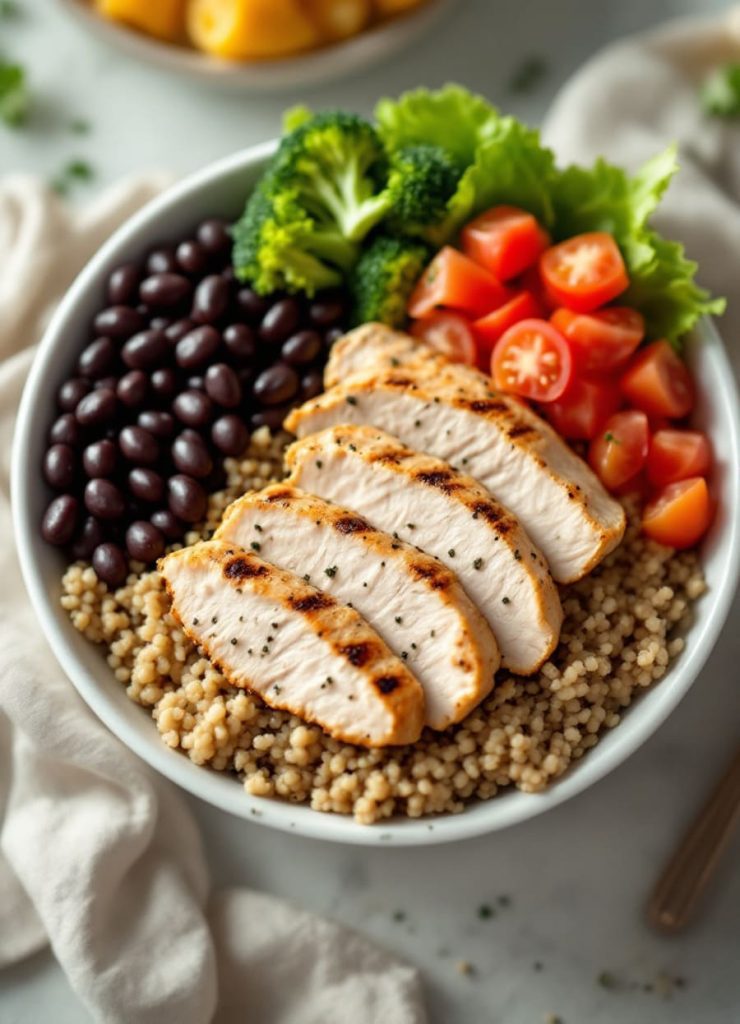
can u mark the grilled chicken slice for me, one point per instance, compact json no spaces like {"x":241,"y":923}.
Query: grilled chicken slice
{"x":451,"y":412}
{"x":375,"y":347}
{"x":298,"y":648}
{"x":424,"y":501}
{"x":413,"y":601}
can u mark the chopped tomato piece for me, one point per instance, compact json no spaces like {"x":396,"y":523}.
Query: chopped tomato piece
{"x":488,"y":329}
{"x":620,"y":450}
{"x":658,"y":382}
{"x":531,"y":281}
{"x":532,"y":359}
{"x":450,"y":333}
{"x":680,"y":514}
{"x":452,"y":280}
{"x":602,"y":340}
{"x":581,"y":412}
{"x":584,"y":272}
{"x":676,"y":455}
{"x":504,"y":240}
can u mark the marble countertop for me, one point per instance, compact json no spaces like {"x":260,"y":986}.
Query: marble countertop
{"x":567,"y":890}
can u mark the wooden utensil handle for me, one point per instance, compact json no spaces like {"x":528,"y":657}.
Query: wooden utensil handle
{"x":689,"y":870}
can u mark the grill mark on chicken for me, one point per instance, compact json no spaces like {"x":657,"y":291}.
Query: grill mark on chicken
{"x":386,"y":684}
{"x":437,"y":578}
{"x":311,"y":602}
{"x":441,"y":479}
{"x":357,"y":654}
{"x":485,"y":405}
{"x":521,"y":430}
{"x":350,"y":524}
{"x":276,"y":496}
{"x":242,"y":569}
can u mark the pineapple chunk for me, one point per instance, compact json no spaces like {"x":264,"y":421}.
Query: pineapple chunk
{"x":251,"y":29}
{"x":339,"y":19}
{"x":164,"y":19}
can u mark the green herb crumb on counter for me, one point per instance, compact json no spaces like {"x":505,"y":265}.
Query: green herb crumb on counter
{"x":14,"y":94}
{"x":347,"y":201}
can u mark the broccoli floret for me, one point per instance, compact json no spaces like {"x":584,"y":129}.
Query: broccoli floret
{"x":277,"y":245}
{"x":337,"y":164}
{"x":383,"y":279}
{"x":421,"y":181}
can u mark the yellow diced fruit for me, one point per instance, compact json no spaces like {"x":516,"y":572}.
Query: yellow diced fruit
{"x":388,"y":7}
{"x":164,"y":19}
{"x":339,"y":19}
{"x":251,"y":29}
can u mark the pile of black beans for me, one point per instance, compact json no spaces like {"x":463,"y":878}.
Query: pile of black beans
{"x":183,"y":363}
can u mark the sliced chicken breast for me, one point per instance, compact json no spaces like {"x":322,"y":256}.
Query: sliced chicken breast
{"x":452,"y":412}
{"x":423,"y":501}
{"x":298,"y":648}
{"x":375,"y":347}
{"x":415,"y":603}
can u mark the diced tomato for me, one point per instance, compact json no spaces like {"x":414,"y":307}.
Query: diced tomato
{"x":452,"y":280}
{"x":581,"y":412}
{"x":488,"y":329}
{"x":584,"y":272}
{"x":532,"y":359}
{"x":658,"y":382}
{"x":676,"y":455}
{"x":620,"y":450}
{"x":450,"y":333}
{"x":602,"y":340}
{"x":680,"y":514}
{"x":531,"y":281}
{"x":504,"y":240}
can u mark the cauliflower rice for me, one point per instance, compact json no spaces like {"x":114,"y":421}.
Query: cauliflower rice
{"x":622,"y":629}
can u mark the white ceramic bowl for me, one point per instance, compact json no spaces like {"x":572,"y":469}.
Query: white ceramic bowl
{"x":220,"y":190}
{"x":348,"y":57}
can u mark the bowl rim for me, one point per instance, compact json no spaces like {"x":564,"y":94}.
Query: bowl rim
{"x":328,"y":62}
{"x":224,"y":791}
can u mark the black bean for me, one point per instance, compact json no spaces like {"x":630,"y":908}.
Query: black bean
{"x":71,"y":393}
{"x":146,"y":484}
{"x":97,"y":408}
{"x":191,"y":257}
{"x":211,"y":300}
{"x":197,"y":347}
{"x":97,"y":359}
{"x":123,"y":284}
{"x":60,"y":520}
{"x":144,"y":541}
{"x":222,"y":385}
{"x":197,"y":382}
{"x":100,"y":458}
{"x":157,"y":422}
{"x":191,"y":456}
{"x":326,"y":311}
{"x":167,"y":523}
{"x":110,"y":564}
{"x":145,"y":350}
{"x":160,"y":323}
{"x":302,"y":348}
{"x":164,"y":382}
{"x":241,"y":342}
{"x":216,"y":479}
{"x":162,"y":261}
{"x":60,"y":467}
{"x":246,"y":375}
{"x":90,"y":534}
{"x":229,"y":434}
{"x":178,"y":330}
{"x":103,"y":499}
{"x":138,"y":445}
{"x":65,"y":430}
{"x":228,"y":275}
{"x":253,"y":306}
{"x":280,"y":321}
{"x":132,"y":388}
{"x":109,"y":383}
{"x":193,"y":408}
{"x":270,"y":418}
{"x":276,"y":385}
{"x":187,"y":499}
{"x":214,"y":236}
{"x":332,"y":336}
{"x":312,"y":384}
{"x":118,"y":322}
{"x":162,"y":291}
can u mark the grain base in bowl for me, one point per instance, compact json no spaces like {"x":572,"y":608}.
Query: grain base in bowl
{"x":622,"y":628}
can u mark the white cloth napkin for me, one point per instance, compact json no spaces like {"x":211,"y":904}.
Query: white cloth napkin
{"x":98,"y":855}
